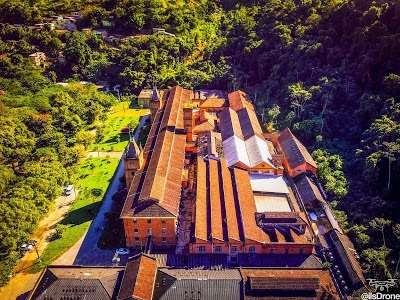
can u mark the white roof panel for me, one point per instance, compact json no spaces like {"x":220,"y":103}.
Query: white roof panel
{"x":267,"y":183}
{"x":235,"y":151}
{"x":267,"y":203}
{"x":257,"y":151}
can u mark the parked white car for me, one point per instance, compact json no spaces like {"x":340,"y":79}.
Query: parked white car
{"x":122,"y":251}
{"x":68,"y":190}
{"x":26,"y":247}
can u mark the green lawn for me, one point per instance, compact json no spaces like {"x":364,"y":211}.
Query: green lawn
{"x":92,"y":179}
{"x":120,"y":117}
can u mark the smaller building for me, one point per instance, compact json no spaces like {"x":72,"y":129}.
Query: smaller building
{"x":38,"y":58}
{"x":297,"y":159}
{"x":145,"y":97}
{"x":288,"y":284}
{"x":77,"y":282}
{"x":139,"y":277}
{"x":309,"y":192}
{"x":347,"y":254}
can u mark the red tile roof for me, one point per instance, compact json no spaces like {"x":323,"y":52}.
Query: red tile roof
{"x":294,"y":150}
{"x":204,"y":127}
{"x":160,"y":182}
{"x":239,"y":100}
{"x":139,"y":277}
{"x":215,"y":201}
{"x":212,"y":103}
{"x":230,"y":208}
{"x":247,"y":204}
{"x":201,"y":201}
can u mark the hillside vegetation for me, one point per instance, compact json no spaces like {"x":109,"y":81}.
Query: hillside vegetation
{"x":330,"y":70}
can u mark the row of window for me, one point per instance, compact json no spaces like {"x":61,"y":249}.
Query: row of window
{"x":218,"y":249}
{"x":149,"y":221}
{"x":233,"y":249}
{"x":149,"y":231}
{"x":163,"y":239}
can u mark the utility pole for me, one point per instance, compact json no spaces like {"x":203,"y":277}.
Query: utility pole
{"x":33,"y":243}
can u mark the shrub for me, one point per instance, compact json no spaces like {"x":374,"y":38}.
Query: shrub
{"x":96,"y":192}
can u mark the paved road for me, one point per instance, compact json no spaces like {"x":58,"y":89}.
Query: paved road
{"x":89,"y":253}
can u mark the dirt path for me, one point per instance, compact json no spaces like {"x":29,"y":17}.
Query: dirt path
{"x":23,"y":281}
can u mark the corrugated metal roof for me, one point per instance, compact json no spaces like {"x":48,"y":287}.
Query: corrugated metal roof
{"x":92,"y":283}
{"x":308,"y":190}
{"x":272,"y":203}
{"x":183,"y":284}
{"x":268,"y":183}
{"x":203,"y":274}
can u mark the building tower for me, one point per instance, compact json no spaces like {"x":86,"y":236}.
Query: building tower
{"x":133,"y":161}
{"x":155,"y":103}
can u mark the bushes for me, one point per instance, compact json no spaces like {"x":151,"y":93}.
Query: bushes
{"x":96,"y":192}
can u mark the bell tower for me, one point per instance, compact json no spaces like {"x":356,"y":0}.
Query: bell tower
{"x":155,"y":103}
{"x":133,"y":161}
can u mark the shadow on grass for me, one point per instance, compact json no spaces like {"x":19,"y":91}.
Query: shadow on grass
{"x":115,"y":140}
{"x":81,"y":215}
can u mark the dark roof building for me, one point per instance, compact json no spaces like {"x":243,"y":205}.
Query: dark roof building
{"x":77,"y":282}
{"x":288,"y":284}
{"x":347,"y":253}
{"x":308,"y":190}
{"x":197,"y":284}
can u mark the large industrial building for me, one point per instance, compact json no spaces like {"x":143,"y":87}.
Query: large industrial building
{"x":218,"y":209}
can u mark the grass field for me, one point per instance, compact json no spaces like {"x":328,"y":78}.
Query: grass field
{"x":120,"y":117}
{"x":92,"y":179}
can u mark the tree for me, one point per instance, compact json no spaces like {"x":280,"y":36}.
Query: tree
{"x":330,"y":172}
{"x":379,"y":224}
{"x":298,"y":96}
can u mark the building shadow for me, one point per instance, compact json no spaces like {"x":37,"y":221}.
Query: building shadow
{"x":23,"y":296}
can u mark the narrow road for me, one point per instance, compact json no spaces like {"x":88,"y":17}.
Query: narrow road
{"x":23,"y":281}
{"x":89,"y":253}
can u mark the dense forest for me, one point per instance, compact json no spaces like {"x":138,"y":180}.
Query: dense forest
{"x":330,"y":70}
